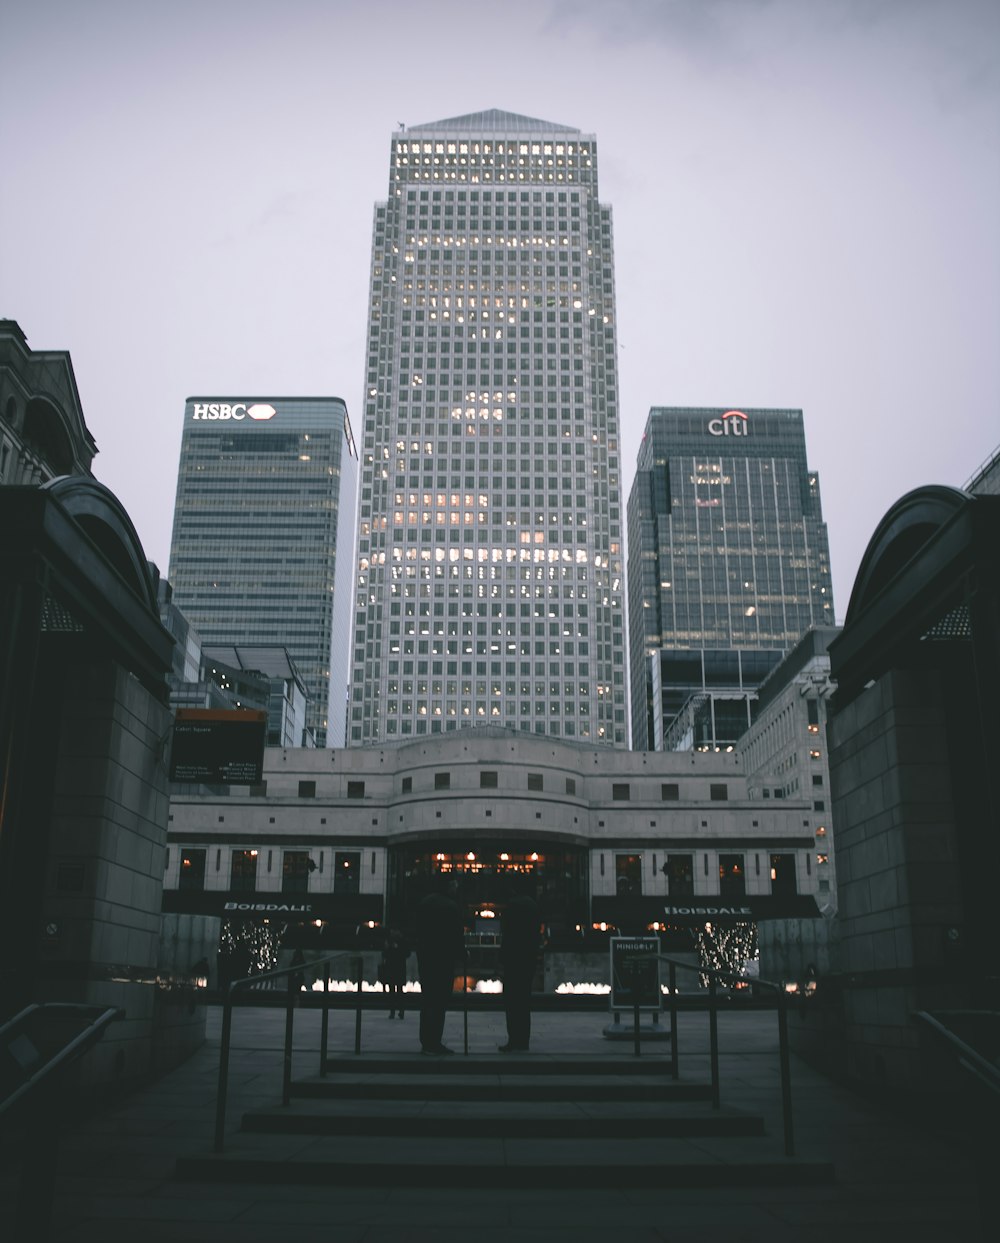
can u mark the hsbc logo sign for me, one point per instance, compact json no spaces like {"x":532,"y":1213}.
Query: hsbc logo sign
{"x":732,"y":423}
{"x":217,"y":410}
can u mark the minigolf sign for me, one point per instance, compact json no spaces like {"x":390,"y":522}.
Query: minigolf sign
{"x":635,"y":973}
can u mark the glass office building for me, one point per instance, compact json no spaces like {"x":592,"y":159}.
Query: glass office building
{"x":490,"y":530}
{"x":728,"y":557}
{"x":266,"y":496}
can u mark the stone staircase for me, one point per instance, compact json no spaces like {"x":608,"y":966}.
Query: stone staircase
{"x":514,"y":1121}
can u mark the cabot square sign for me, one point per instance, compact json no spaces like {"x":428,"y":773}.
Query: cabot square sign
{"x":214,"y":747}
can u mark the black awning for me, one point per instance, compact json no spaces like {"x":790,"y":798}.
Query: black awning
{"x":630,"y":912}
{"x":346,"y":908}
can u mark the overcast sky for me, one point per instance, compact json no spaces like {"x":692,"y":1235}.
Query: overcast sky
{"x":806,"y":199}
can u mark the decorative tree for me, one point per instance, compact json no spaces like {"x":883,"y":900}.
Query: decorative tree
{"x":726,"y":948}
{"x":257,"y":940}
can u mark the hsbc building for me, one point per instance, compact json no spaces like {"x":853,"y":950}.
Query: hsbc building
{"x":261,"y":552}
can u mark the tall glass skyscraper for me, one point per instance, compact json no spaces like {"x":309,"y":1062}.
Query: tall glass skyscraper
{"x":728,"y":561}
{"x":266,"y":498}
{"x":490,"y":538}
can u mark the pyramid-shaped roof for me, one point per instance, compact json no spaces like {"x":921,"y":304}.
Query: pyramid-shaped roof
{"x":493,"y":121}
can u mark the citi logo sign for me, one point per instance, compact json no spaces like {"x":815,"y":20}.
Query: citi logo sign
{"x":732,"y":423}
{"x":240,"y":410}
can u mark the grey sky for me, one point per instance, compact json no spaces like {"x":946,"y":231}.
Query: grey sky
{"x":806,"y":200}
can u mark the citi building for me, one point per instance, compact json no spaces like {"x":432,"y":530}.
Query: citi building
{"x":263,"y":536}
{"x":729,"y":565}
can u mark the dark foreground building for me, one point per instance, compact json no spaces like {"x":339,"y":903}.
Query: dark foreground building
{"x":83,"y":728}
{"x":914,"y":737}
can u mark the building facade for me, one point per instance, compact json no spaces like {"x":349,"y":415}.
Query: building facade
{"x":786,"y":755}
{"x":43,"y":433}
{"x":986,"y":480}
{"x":490,"y":536}
{"x":727,"y":550}
{"x":266,"y":495}
{"x":243,"y":673}
{"x":602,"y":839}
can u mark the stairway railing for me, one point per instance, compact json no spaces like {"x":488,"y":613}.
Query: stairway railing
{"x":32,"y":1059}
{"x":715,"y":975}
{"x":294,"y":975}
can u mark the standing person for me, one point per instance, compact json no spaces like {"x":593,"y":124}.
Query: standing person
{"x":439,"y":946}
{"x":518,"y":953}
{"x":392,"y":969}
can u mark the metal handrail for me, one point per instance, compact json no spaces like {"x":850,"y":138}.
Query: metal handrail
{"x":31,"y":1212}
{"x":296,"y":969}
{"x":714,"y":974}
{"x":75,"y":1048}
{"x":967,"y":1057}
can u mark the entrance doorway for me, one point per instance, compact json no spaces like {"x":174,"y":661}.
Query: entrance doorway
{"x":487,"y":874}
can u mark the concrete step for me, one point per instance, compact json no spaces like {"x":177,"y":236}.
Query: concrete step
{"x":511,"y":1086}
{"x":417,"y":1064}
{"x":494,"y":1162}
{"x":505,"y":1120}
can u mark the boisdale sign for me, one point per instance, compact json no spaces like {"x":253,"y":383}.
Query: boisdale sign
{"x":222,"y":410}
{"x":348,"y":909}
{"x":269,"y":908}
{"x":732,"y":423}
{"x":706,"y":912}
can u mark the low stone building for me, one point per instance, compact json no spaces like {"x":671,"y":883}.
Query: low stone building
{"x":604,"y":840}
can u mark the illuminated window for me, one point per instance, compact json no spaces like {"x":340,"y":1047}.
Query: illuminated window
{"x":243,"y":871}
{"x":680,"y":875}
{"x":192,"y":870}
{"x":783,"y":874}
{"x":732,"y":877}
{"x":346,"y":871}
{"x":628,"y":875}
{"x":295,"y":868}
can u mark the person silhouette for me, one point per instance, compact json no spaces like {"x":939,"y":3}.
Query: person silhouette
{"x":439,"y":945}
{"x":518,"y":955}
{"x":392,"y":969}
